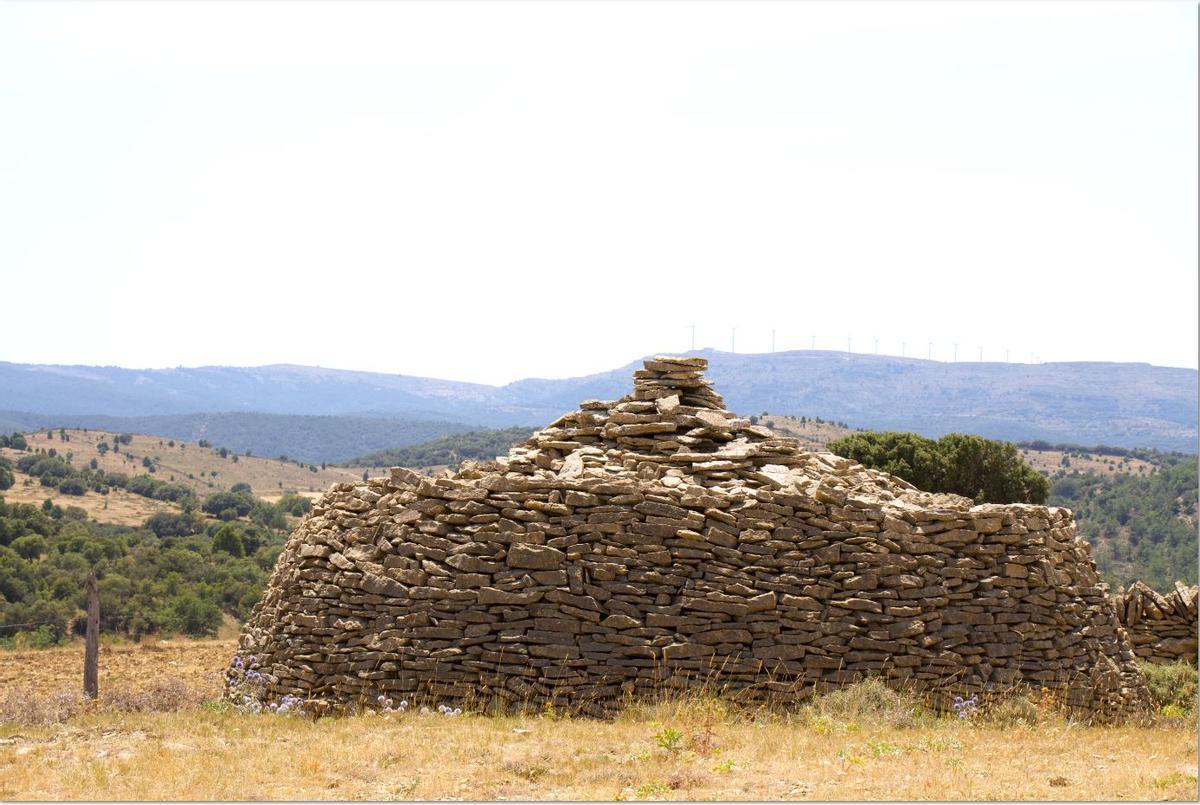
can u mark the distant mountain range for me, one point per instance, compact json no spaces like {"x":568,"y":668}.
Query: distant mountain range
{"x":320,"y":414}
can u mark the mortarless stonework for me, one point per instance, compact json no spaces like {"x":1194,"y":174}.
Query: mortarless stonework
{"x":1162,"y":628}
{"x":660,"y":542}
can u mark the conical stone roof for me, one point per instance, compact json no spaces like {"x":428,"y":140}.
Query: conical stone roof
{"x":675,"y":429}
{"x":661,"y":541}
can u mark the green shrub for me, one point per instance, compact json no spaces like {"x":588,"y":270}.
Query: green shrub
{"x":295,"y":505}
{"x":190,"y":614}
{"x":166,"y":524}
{"x":229,"y":539}
{"x":1171,"y":686}
{"x":30,"y":546}
{"x":985,"y":470}
{"x":240,"y":502}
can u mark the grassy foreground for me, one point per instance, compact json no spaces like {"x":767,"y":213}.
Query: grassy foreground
{"x":866,"y":744}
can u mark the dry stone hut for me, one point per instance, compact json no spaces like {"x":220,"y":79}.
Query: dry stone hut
{"x":661,"y":542}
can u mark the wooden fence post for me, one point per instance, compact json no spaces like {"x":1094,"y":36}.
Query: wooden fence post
{"x":91,"y":656}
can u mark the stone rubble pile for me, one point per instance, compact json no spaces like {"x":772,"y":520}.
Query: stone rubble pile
{"x":659,"y":542}
{"x":675,"y":429}
{"x":1162,"y":629}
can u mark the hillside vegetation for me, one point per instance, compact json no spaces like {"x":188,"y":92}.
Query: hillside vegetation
{"x":174,"y":583}
{"x":309,"y":439}
{"x":482,"y":445}
{"x":1141,"y":526}
{"x":202,"y":467}
{"x":174,"y":552}
{"x":984,"y":470}
{"x":1056,"y":460}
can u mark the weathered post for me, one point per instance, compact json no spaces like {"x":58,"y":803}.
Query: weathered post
{"x":91,"y":655}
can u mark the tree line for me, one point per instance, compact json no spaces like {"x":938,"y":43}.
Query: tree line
{"x":480,"y":445}
{"x":1140,"y":526}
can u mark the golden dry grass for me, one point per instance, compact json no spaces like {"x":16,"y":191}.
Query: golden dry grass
{"x":1051,"y":461}
{"x":684,"y":750}
{"x":268,"y":477}
{"x":811,"y":435}
{"x":199,"y":754}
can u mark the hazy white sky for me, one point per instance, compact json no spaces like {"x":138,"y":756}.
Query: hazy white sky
{"x":488,"y":191}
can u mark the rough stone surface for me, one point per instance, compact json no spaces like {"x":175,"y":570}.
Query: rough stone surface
{"x":1162,"y":629}
{"x":661,"y":542}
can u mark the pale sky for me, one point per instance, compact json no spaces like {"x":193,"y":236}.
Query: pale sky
{"x":490,"y":191}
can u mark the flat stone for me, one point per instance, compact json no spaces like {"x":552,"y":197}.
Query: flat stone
{"x":538,"y":557}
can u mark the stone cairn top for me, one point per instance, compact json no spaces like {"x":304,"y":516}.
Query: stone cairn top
{"x":675,"y":429}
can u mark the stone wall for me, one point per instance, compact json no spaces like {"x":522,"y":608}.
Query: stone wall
{"x":659,"y":542}
{"x":1162,"y":629}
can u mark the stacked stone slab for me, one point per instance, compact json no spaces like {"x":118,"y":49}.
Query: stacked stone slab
{"x":1162,"y":628}
{"x":659,"y":542}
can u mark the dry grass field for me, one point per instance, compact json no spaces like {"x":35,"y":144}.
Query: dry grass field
{"x":124,"y":747}
{"x":1051,"y":461}
{"x":812,"y":435}
{"x":118,"y":506}
{"x":124,"y":667}
{"x":200,"y":468}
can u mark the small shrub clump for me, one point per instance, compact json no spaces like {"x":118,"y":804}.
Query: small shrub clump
{"x":869,"y":701}
{"x":1172,"y":688}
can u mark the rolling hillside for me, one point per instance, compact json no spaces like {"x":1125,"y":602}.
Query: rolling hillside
{"x":202,"y":469}
{"x":305,"y":438}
